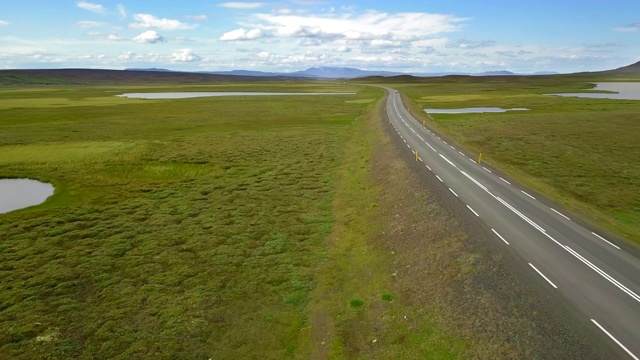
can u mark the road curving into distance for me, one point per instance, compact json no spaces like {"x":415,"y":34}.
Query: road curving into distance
{"x":594,"y":274}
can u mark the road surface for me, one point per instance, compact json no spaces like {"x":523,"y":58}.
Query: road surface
{"x":594,"y":273}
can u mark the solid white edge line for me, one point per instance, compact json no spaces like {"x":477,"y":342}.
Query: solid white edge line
{"x":541,"y":274}
{"x":475,"y":213}
{"x":605,"y":240}
{"x":559,"y":213}
{"x":454,"y":193}
{"x":522,"y":216}
{"x":527,"y":194}
{"x":486,"y":169}
{"x":501,"y":238}
{"x":505,"y":181}
{"x":608,"y":277}
{"x":439,"y":178}
{"x":616,"y":340}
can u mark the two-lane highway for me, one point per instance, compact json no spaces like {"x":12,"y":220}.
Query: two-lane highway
{"x":601,"y":280}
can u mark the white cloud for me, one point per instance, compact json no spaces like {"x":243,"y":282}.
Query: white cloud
{"x":185,"y":55}
{"x":200,"y":17}
{"x":311,"y":42}
{"x":114,"y":37}
{"x":628,"y":28}
{"x":122,"y":11}
{"x":365,"y":26}
{"x":430,"y":43}
{"x":242,"y":5}
{"x":380,"y":43}
{"x":110,"y":37}
{"x":149,"y":37}
{"x":344,"y":49}
{"x":96,"y":8}
{"x":4,"y":23}
{"x":472,"y":44}
{"x":87,"y":23}
{"x":242,"y":34}
{"x":126,"y":55}
{"x":146,"y":21}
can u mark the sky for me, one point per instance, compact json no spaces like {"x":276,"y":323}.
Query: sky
{"x":428,"y":36}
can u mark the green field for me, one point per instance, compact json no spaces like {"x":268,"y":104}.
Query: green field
{"x":248,"y":227}
{"x":580,"y":152}
{"x":188,"y":228}
{"x":197,"y":228}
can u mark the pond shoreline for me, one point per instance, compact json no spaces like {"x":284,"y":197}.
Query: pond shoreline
{"x":22,"y":193}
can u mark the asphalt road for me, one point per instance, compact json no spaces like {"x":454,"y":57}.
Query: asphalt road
{"x":592,"y":272}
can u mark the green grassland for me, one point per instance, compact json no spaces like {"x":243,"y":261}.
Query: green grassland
{"x":581,"y":152}
{"x":264,"y":227}
{"x":224,"y":228}
{"x":179,"y":228}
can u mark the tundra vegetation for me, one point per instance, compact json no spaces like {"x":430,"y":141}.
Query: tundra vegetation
{"x":192,"y":228}
{"x":268,"y":228}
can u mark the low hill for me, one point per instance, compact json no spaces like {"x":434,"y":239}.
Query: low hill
{"x":629,"y":69}
{"x":629,"y":72}
{"x":116,"y":77}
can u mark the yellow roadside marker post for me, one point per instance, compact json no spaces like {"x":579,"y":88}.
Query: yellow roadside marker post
{"x":416,"y":155}
{"x":480,"y":159}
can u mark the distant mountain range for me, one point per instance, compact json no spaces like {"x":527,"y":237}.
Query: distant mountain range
{"x":163,"y":76}
{"x":340,"y":73}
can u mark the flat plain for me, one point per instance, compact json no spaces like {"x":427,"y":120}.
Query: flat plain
{"x":179,"y":228}
{"x":247,"y":227}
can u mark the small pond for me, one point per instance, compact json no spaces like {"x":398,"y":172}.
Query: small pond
{"x":474,"y":110}
{"x":194,"y":94}
{"x":623,"y":91}
{"x":21,"y":193}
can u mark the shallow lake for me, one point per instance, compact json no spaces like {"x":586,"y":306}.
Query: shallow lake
{"x":195,"y":94}
{"x":474,"y":110}
{"x":21,"y":193}
{"x":624,"y":91}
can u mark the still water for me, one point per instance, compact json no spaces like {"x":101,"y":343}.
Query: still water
{"x":21,"y":193}
{"x":623,"y":91}
{"x":194,"y":94}
{"x":474,"y":110}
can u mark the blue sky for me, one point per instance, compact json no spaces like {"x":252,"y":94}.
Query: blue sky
{"x":289,"y":35}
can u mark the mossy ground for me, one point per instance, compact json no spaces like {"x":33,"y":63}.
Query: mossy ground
{"x":179,"y":228}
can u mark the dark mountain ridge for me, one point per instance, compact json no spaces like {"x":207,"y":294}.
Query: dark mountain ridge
{"x":164,"y":76}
